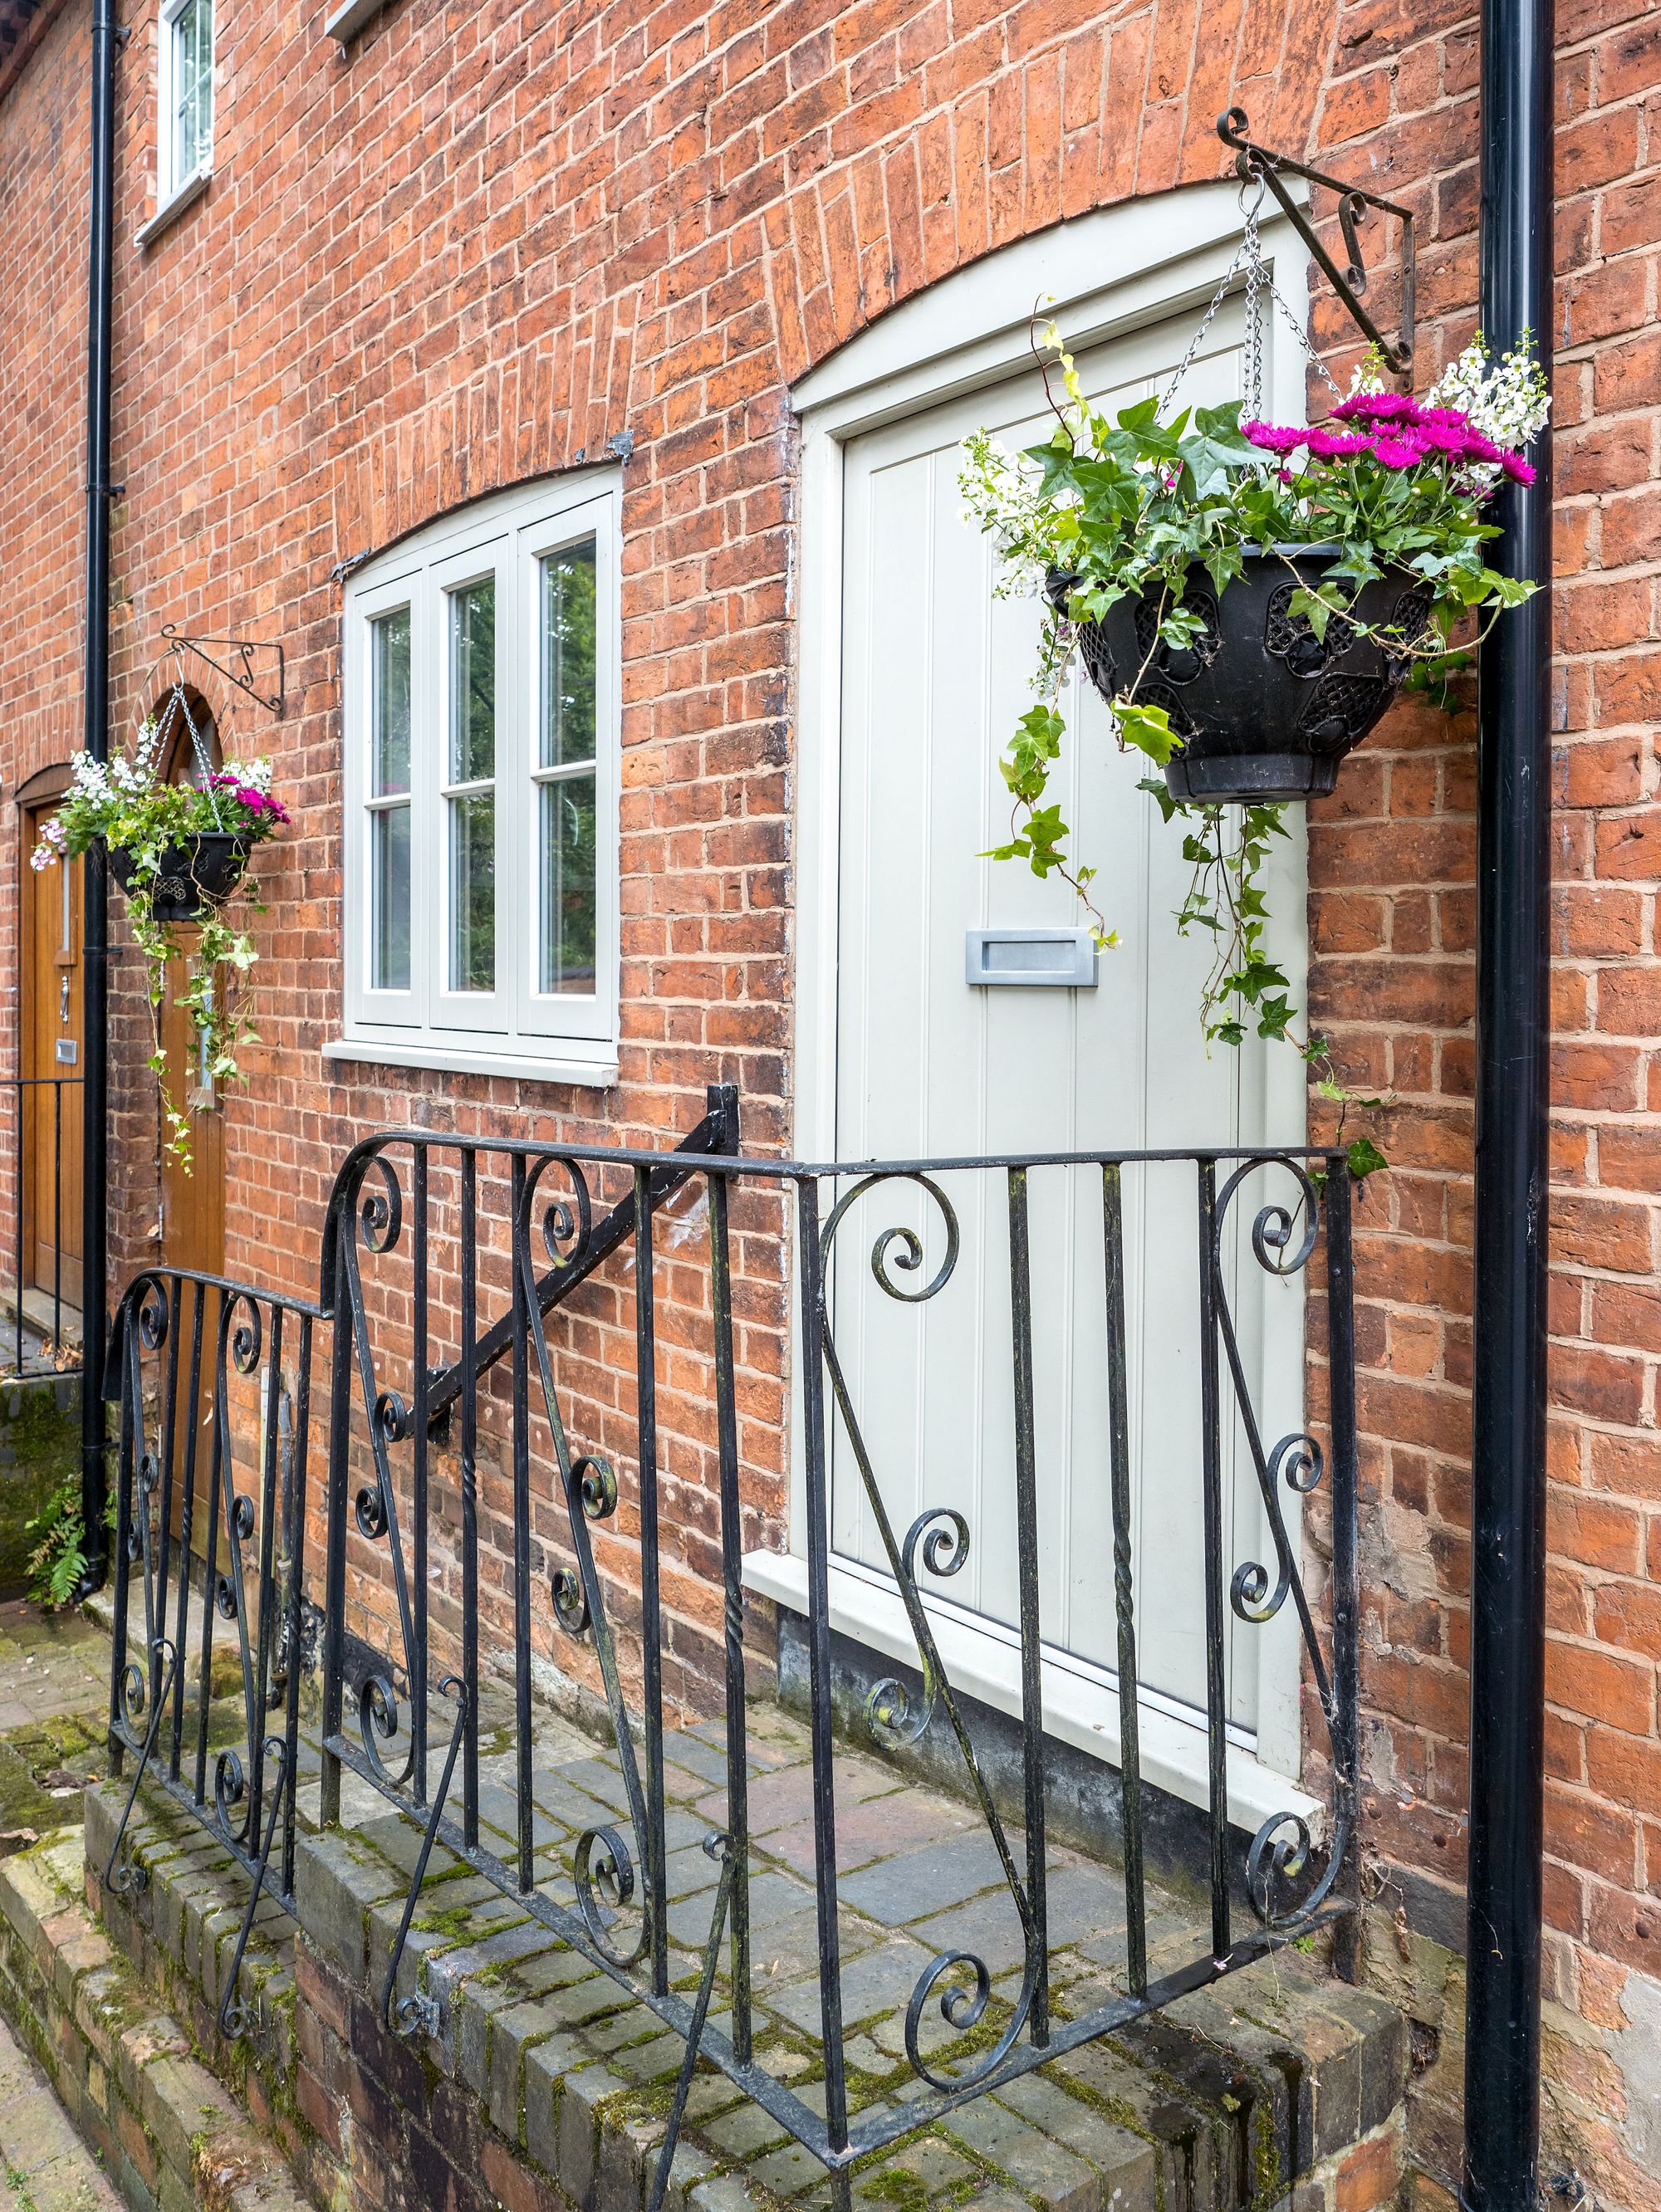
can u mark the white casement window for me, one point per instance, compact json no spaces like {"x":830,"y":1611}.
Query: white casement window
{"x":184,"y":149}
{"x":481,"y":721}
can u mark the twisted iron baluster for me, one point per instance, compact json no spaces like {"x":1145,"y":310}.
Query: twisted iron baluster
{"x":1130,"y":1762}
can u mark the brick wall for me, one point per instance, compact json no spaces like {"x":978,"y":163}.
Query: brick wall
{"x":478,"y":245}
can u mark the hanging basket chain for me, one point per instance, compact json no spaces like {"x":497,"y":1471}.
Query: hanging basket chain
{"x":199,"y":744}
{"x":1259,"y":284}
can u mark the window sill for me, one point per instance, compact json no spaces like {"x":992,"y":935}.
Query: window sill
{"x":346,"y":21}
{"x":597,"y":1072}
{"x":172,"y":208}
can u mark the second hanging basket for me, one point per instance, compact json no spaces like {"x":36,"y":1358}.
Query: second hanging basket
{"x":194,"y":879}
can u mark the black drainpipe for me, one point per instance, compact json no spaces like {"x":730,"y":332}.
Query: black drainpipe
{"x":1507,"y":1657}
{"x":94,"y":921}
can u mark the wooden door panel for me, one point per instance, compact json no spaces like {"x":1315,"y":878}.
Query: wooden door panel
{"x":49,"y":941}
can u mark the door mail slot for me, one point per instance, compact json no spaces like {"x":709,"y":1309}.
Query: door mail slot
{"x":67,"y":1051}
{"x":1040,"y":959}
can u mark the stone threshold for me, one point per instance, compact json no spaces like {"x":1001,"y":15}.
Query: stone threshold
{"x":546,"y":2086}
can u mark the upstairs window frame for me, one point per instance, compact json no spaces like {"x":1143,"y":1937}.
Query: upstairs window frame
{"x":181,"y":170}
{"x":487,"y":911}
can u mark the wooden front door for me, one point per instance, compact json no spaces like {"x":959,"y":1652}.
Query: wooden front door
{"x":930,"y":1062}
{"x":50,"y":943}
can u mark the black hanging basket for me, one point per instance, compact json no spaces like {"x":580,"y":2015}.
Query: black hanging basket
{"x":196,"y":877}
{"x":1266,"y":710}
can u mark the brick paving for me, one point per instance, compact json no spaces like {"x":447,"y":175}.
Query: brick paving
{"x":569,"y":2070}
{"x":51,"y":1666}
{"x":45,"y":2166}
{"x":54,"y":1674}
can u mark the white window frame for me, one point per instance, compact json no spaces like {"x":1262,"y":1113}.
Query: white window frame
{"x":515,"y":1029}
{"x":174,"y":190}
{"x":971,"y":329}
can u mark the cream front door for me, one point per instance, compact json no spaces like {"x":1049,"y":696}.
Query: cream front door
{"x":934,"y":671}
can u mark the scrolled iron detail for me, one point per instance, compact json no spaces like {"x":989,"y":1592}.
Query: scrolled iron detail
{"x":567,"y":1222}
{"x":392,"y":1417}
{"x":894,"y":1716}
{"x":377,"y":1723}
{"x":910,"y":1255}
{"x":945,"y":1548}
{"x":419,"y":2014}
{"x":224,"y":1597}
{"x":570,"y":1601}
{"x":1297,"y":1460}
{"x":604,"y":1874}
{"x":152,"y":1315}
{"x":126,"y":1875}
{"x":242,"y":1516}
{"x":247,"y":1335}
{"x":892,"y":1719}
{"x":381,"y":1212}
{"x":135,"y":1693}
{"x":1279,"y":1853}
{"x":230,"y":1787}
{"x":963,"y":2008}
{"x":596,"y":1479}
{"x":369,"y":1511}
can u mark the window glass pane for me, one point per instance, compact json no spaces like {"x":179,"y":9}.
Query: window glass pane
{"x":568,"y":661}
{"x":389,"y":920}
{"x":473,"y":891}
{"x":192,"y":76}
{"x":473,"y":683}
{"x":568,"y":884}
{"x":390,"y":716}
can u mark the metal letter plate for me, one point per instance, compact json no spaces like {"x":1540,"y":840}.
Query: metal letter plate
{"x":1029,"y":959}
{"x":67,"y":1051}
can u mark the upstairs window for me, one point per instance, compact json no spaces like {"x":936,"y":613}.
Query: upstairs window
{"x":184,"y":123}
{"x":481,"y":723}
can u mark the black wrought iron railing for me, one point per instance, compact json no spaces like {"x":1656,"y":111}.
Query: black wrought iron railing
{"x":424,"y":1234}
{"x":43,"y":1214}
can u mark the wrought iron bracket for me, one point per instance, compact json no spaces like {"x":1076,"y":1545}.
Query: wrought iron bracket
{"x":1256,"y":164}
{"x":243,"y":651}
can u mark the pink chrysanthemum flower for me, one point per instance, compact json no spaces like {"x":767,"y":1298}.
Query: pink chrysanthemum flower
{"x":1273,"y":437}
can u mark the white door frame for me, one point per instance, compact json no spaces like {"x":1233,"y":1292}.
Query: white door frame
{"x":969,"y":329}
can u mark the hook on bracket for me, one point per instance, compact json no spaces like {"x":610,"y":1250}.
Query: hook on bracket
{"x":242,"y":651}
{"x":1256,"y":164}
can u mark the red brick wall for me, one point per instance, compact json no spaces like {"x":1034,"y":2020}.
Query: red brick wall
{"x":42,"y":468}
{"x":478,"y":245}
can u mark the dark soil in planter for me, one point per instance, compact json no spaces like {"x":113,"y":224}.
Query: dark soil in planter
{"x":1266,"y":710}
{"x":196,"y":877}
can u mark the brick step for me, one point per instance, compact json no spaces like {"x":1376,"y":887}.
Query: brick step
{"x":546,"y":2085}
{"x":166,"y":2132}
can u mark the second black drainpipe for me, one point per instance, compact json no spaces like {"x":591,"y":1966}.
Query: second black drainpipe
{"x":1513,"y":951}
{"x":95,"y":916}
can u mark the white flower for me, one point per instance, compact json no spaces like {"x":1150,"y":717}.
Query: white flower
{"x":1508,"y":403}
